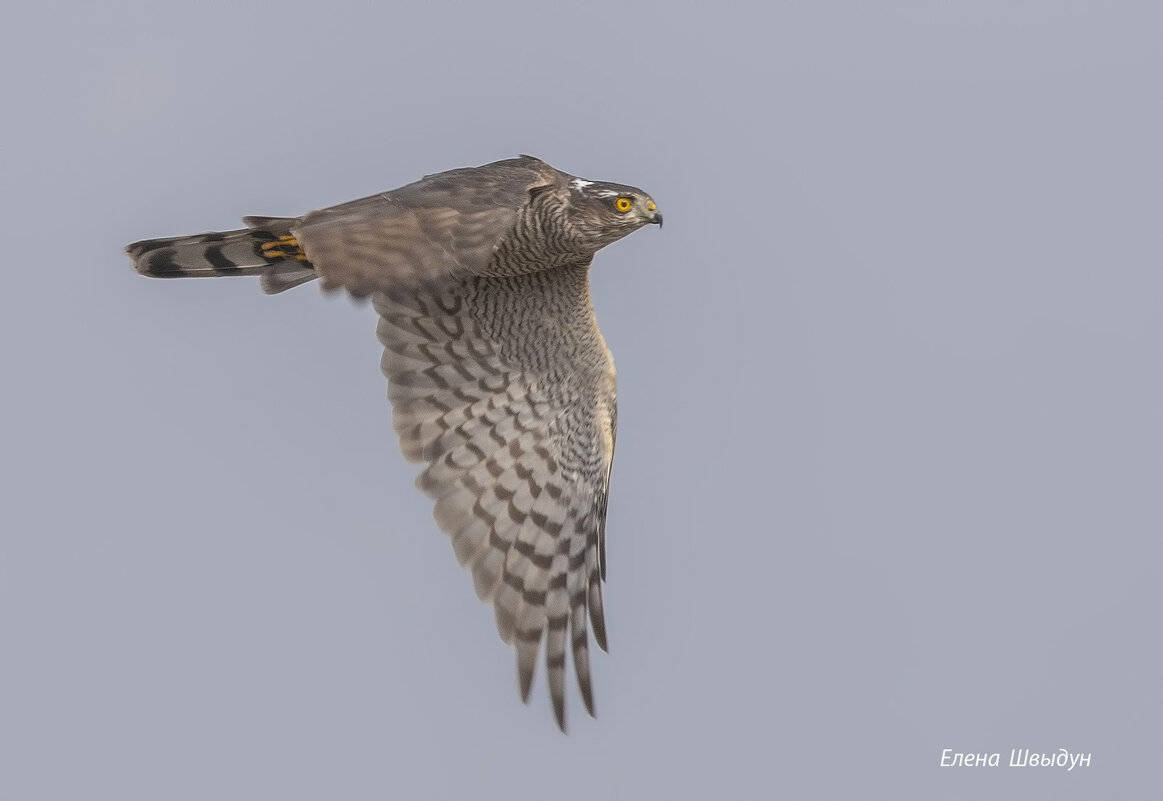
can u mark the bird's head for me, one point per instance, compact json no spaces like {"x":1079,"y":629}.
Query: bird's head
{"x":603,"y":212}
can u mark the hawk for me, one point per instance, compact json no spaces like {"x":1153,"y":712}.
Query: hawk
{"x":500,"y":381}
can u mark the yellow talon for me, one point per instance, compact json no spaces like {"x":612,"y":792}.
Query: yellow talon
{"x":285,"y":247}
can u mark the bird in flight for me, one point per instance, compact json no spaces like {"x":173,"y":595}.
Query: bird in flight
{"x":500,"y":382}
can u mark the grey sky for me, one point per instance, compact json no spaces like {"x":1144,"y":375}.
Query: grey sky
{"x":890,"y":443}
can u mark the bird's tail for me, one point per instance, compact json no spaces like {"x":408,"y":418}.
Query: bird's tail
{"x":266,"y":247}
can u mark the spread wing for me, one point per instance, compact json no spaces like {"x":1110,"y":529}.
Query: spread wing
{"x":505,"y":389}
{"x":443,"y":226}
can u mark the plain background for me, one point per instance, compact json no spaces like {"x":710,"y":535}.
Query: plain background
{"x":890,"y":442}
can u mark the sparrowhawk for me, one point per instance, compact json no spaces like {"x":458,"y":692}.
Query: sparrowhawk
{"x":499,"y":379}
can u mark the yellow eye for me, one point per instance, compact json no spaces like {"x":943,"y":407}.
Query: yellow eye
{"x":623,"y":203}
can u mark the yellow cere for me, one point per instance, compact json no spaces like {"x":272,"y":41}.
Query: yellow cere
{"x":650,"y":205}
{"x":623,"y":204}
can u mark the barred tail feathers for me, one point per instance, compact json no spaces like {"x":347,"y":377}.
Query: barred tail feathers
{"x":267,"y":248}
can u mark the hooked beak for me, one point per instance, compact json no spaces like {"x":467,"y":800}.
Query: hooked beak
{"x":652,"y":215}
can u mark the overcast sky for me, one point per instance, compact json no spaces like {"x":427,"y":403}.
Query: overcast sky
{"x":890,"y":440}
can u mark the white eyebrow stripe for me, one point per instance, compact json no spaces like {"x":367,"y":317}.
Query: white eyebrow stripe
{"x":581,"y":183}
